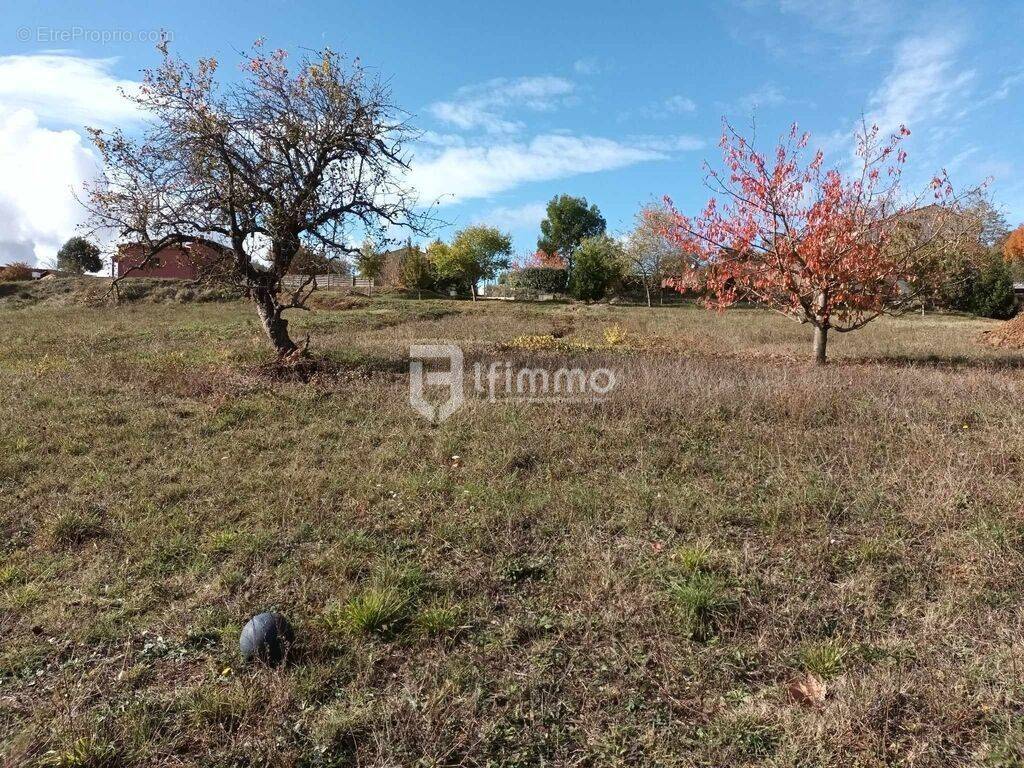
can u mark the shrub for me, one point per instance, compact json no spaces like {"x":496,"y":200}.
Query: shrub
{"x":541,"y":279}
{"x":993,"y":294}
{"x":984,"y":288}
{"x":599,"y":264}
{"x":16,"y":272}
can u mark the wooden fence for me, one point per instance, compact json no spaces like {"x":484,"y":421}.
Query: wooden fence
{"x":329,"y":282}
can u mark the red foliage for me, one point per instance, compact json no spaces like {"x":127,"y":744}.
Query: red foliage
{"x":813,"y":243}
{"x":544,"y":260}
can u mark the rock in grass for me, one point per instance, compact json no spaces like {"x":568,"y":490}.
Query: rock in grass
{"x":266,"y":637}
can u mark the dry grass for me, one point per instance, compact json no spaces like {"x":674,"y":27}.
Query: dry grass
{"x":636,"y":582}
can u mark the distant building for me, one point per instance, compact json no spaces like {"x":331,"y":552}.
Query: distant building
{"x":391,"y":271}
{"x":183,"y":262}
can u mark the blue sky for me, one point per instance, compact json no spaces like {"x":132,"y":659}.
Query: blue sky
{"x":619,"y":102}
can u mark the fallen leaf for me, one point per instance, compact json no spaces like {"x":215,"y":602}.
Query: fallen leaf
{"x":808,"y":690}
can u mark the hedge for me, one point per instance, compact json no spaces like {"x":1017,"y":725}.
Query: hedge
{"x":541,"y":279}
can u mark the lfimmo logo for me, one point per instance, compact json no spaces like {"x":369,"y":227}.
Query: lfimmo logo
{"x":498,"y":380}
{"x":419,"y":379}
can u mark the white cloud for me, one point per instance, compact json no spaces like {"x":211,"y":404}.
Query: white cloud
{"x":587,"y":66}
{"x":461,"y":173}
{"x":66,"y":89}
{"x":668,"y":143}
{"x":924,"y":83}
{"x":765,"y":97}
{"x":677,"y":104}
{"x":39,"y":169}
{"x":526,"y":216}
{"x":861,"y":23}
{"x":42,"y":161}
{"x":803,"y":29}
{"x":484,"y":105}
{"x":1007,"y":84}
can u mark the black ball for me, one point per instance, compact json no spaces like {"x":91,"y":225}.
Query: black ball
{"x":266,"y":637}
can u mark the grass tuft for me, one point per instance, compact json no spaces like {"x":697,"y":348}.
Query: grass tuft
{"x":71,"y":528}
{"x":690,"y":558}
{"x":703,"y":602}
{"x":86,"y":752}
{"x":825,"y":659}
{"x":377,"y":610}
{"x":438,"y":619}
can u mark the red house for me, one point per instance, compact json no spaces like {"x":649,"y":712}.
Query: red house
{"x":183,"y":262}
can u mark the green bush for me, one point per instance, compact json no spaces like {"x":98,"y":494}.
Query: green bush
{"x":540,"y":279}
{"x":599,"y":265}
{"x":985,"y":289}
{"x":993,"y":291}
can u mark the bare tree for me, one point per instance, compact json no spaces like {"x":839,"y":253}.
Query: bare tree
{"x":650,"y":251}
{"x":281,"y":161}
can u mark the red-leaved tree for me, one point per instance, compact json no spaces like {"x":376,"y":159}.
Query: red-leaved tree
{"x":830,"y":249}
{"x":543,"y":260}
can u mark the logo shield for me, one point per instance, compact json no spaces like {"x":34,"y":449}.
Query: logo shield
{"x":420,"y":379}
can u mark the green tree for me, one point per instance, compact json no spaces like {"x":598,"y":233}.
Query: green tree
{"x":600,"y":263}
{"x":477,"y":253}
{"x":569,"y":221}
{"x":417,"y":271}
{"x":990,"y":289}
{"x":370,"y":262}
{"x":78,"y":255}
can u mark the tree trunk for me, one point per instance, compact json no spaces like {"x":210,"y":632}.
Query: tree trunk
{"x":647,"y":289}
{"x":820,"y":344}
{"x":472,"y":290}
{"x":275,"y":326}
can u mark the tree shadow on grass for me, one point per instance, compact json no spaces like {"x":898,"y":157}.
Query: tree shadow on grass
{"x":942,"y":362}
{"x":313,"y":367}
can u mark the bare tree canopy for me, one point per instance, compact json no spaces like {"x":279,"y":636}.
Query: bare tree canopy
{"x":283,"y":161}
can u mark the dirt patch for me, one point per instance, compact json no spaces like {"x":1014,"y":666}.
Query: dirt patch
{"x":1009,"y":335}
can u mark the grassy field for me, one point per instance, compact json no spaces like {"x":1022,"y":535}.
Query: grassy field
{"x":736,"y":559}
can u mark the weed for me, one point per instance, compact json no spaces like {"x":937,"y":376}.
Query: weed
{"x":750,"y":736}
{"x":86,"y":752}
{"x":438,"y":618}
{"x":614,"y":335}
{"x":703,"y":602}
{"x":825,"y":659}
{"x":692,"y":557}
{"x":377,"y":610}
